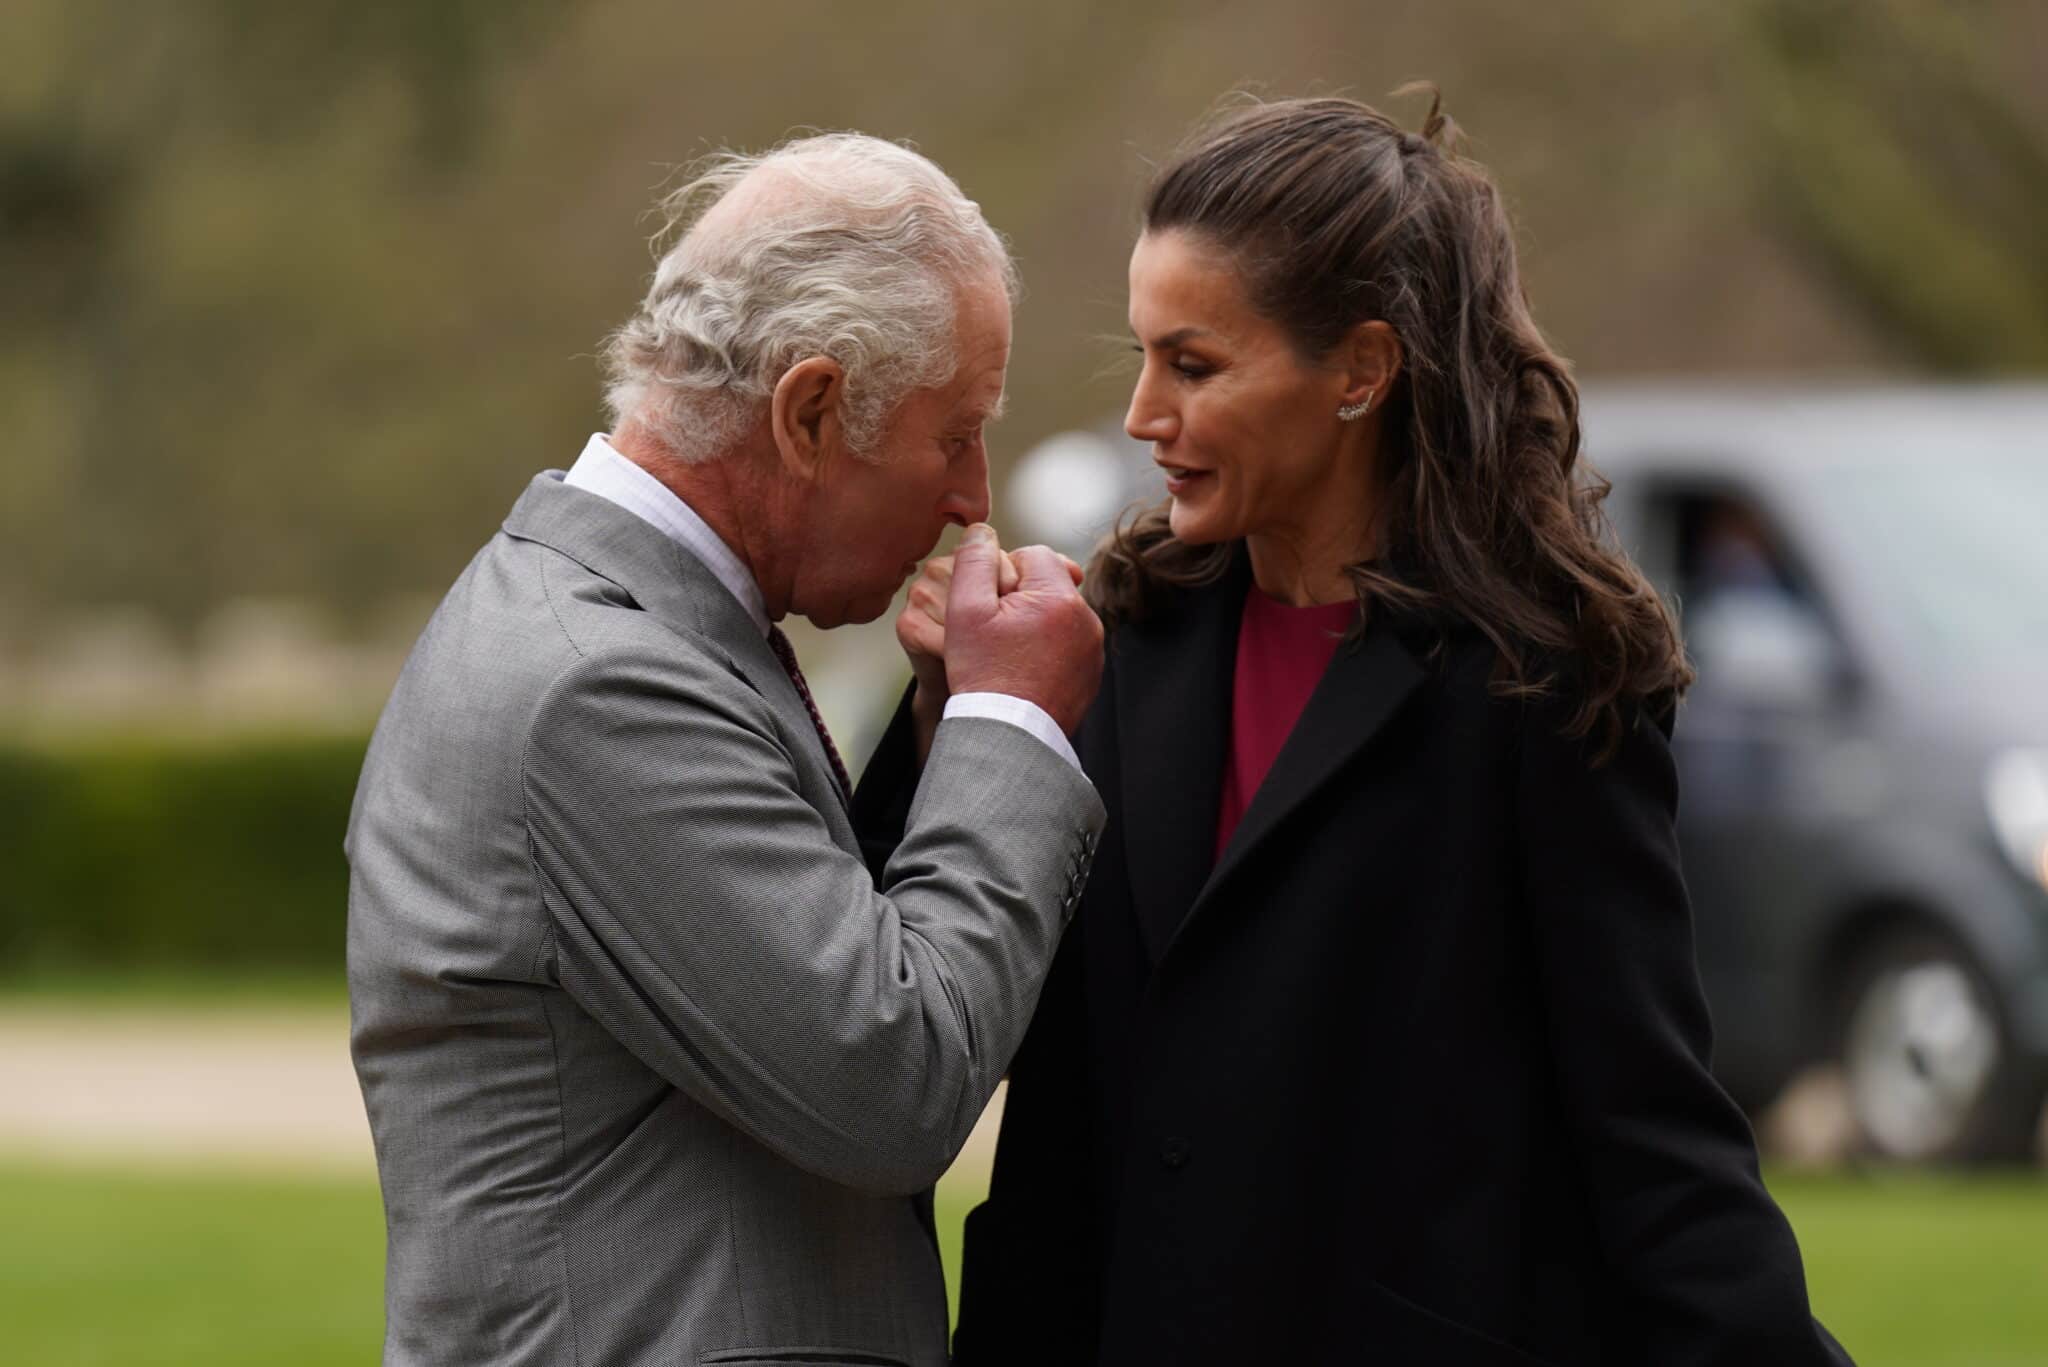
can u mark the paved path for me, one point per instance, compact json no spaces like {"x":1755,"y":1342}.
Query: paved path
{"x":236,"y":1087}
{"x":247,"y":1086}
{"x":239,"y":1088}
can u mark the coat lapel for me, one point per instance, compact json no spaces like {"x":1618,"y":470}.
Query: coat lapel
{"x":1359,"y":693}
{"x":1173,"y":717}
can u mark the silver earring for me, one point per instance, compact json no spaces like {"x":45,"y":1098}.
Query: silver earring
{"x":1353,"y":411}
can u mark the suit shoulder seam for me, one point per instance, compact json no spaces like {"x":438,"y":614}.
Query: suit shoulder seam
{"x":547,"y":592}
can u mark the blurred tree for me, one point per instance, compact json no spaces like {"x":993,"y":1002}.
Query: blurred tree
{"x":191,"y":198}
{"x":1891,"y":150}
{"x":293,"y":298}
{"x":60,"y":200}
{"x":286,"y":65}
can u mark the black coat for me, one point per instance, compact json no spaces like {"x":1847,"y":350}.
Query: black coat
{"x":1417,"y":1073}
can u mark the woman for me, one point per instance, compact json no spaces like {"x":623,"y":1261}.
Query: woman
{"x":1377,"y":1036}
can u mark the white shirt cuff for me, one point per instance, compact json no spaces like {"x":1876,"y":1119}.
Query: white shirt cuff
{"x":1017,"y":712}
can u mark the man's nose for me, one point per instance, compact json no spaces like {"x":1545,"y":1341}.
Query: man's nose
{"x":968,"y":500}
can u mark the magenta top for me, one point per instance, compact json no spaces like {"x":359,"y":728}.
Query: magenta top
{"x":1282,"y":652}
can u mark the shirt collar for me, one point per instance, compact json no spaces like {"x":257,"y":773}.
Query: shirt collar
{"x":603,"y":471}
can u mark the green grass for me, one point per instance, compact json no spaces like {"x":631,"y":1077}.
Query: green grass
{"x":147,"y":1269}
{"x":127,"y":1269}
{"x":1916,"y":1270}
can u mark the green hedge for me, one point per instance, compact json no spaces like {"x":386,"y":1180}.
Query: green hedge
{"x":175,"y":854}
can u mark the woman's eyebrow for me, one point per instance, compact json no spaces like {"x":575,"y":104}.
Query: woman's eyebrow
{"x":1176,"y":337}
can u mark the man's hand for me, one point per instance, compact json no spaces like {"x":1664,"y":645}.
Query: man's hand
{"x":921,"y":626}
{"x":1039,"y":641}
{"x":921,"y":632}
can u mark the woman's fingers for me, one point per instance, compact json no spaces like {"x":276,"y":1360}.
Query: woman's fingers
{"x":918,"y":634}
{"x":928,"y":592}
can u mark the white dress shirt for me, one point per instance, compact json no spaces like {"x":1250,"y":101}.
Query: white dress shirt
{"x":601,"y":470}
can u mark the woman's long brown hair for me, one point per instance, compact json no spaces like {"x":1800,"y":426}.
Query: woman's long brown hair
{"x":1333,"y":216}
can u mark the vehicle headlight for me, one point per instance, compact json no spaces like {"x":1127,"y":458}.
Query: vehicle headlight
{"x":2016,"y":792}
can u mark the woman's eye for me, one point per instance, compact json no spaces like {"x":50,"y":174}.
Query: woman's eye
{"x":1185,"y":367}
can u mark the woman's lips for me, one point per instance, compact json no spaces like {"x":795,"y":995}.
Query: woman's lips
{"x":1181,"y":479}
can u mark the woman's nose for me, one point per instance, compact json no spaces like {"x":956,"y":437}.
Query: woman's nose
{"x":1148,"y":419}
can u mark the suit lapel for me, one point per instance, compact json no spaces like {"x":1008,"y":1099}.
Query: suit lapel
{"x":755,"y":659}
{"x":676,"y":588}
{"x":1359,"y":693}
{"x":1173,"y":717}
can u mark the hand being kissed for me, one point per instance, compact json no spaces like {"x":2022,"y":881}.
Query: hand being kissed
{"x":1034,"y":571}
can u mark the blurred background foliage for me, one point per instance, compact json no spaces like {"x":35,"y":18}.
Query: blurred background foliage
{"x":296,"y":297}
{"x":140,"y":854}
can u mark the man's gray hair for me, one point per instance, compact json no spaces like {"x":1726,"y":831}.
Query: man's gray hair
{"x":860,"y":256}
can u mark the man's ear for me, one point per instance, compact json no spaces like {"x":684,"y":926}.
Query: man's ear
{"x":803,"y":415}
{"x":1371,"y":356}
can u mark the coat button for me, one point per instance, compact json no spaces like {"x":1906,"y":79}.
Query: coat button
{"x":1175,"y":1153}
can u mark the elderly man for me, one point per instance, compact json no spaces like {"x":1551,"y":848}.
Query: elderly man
{"x":660,"y":1070}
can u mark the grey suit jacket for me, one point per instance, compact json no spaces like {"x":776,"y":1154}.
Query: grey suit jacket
{"x":657,"y":1072}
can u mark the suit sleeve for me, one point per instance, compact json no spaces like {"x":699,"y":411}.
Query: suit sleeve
{"x":702,"y":912}
{"x":1687,"y":1228}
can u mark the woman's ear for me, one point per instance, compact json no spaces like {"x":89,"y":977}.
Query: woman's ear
{"x":1371,"y":356}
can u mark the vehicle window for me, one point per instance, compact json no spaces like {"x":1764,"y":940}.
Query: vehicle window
{"x":1725,"y":545}
{"x":1753,"y":622}
{"x":1956,"y":545}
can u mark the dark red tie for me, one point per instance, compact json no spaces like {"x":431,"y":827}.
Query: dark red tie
{"x":786,"y":653}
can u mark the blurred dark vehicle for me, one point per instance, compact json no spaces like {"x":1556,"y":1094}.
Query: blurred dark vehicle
{"x":1862,"y":576}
